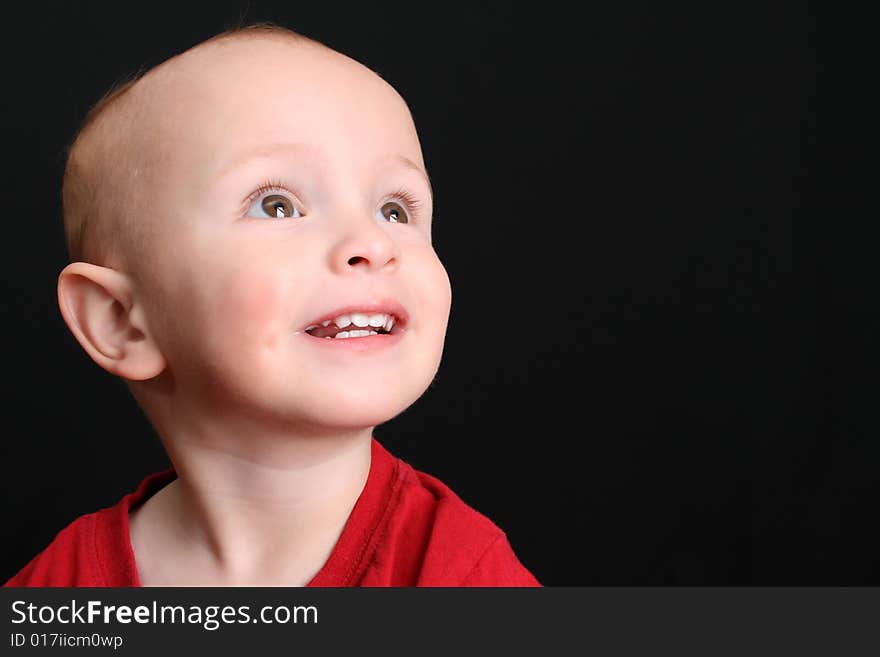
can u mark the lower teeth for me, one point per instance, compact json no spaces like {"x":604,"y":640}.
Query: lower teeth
{"x":354,"y":334}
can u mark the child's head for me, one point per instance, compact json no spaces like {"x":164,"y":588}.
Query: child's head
{"x":232,"y":197}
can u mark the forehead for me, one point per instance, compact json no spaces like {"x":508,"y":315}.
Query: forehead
{"x":221,"y":101}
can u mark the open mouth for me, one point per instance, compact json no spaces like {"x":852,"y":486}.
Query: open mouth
{"x":355,"y":325}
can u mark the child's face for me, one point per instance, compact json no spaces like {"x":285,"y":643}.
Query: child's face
{"x":232,"y":281}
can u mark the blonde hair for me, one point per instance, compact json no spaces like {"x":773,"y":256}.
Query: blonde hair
{"x":98,"y":227}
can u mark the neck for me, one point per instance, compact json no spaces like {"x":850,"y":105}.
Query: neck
{"x":266,"y":510}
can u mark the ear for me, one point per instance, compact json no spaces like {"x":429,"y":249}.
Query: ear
{"x":99,"y":307}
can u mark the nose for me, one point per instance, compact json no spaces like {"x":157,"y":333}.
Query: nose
{"x":363,"y":243}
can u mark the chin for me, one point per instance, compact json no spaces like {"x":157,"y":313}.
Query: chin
{"x":356,"y":409}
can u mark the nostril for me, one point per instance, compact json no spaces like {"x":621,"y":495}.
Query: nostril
{"x":354,"y":260}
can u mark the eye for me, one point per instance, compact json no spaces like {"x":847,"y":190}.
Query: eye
{"x":394,"y":213}
{"x":276,"y":205}
{"x":272,"y":200}
{"x":401,"y":208}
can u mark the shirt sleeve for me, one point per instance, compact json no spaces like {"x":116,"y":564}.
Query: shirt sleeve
{"x":498,"y":566}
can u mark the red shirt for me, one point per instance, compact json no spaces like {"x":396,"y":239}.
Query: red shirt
{"x":407,"y":528}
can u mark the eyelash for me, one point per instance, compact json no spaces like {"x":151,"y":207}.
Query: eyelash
{"x":413,"y":204}
{"x":410,"y":201}
{"x":265,"y":188}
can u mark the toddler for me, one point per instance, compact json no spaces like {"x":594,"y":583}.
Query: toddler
{"x":249,"y":225}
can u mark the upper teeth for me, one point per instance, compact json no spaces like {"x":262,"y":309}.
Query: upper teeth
{"x":362,"y":319}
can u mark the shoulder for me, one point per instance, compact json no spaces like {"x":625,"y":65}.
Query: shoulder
{"x":434,"y":538}
{"x":95,"y":549}
{"x":69,"y":560}
{"x":469,"y":549}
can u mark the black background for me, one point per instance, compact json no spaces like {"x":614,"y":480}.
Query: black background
{"x":674,"y":194}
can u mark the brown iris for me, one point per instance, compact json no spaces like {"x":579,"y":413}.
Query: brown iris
{"x":394,"y":212}
{"x":276,"y":205}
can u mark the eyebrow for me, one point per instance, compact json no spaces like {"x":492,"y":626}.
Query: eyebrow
{"x":409,"y":164}
{"x":267,"y":150}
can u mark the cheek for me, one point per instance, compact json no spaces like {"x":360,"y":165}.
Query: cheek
{"x":446,"y":292}
{"x":245,"y":315}
{"x":255,"y":307}
{"x":434,"y":291}
{"x":441,"y":292}
{"x":238,"y":297}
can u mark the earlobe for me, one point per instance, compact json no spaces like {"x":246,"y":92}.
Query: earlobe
{"x":99,"y":307}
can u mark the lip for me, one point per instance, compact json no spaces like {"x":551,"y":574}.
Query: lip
{"x":387,"y":306}
{"x":368,"y":343}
